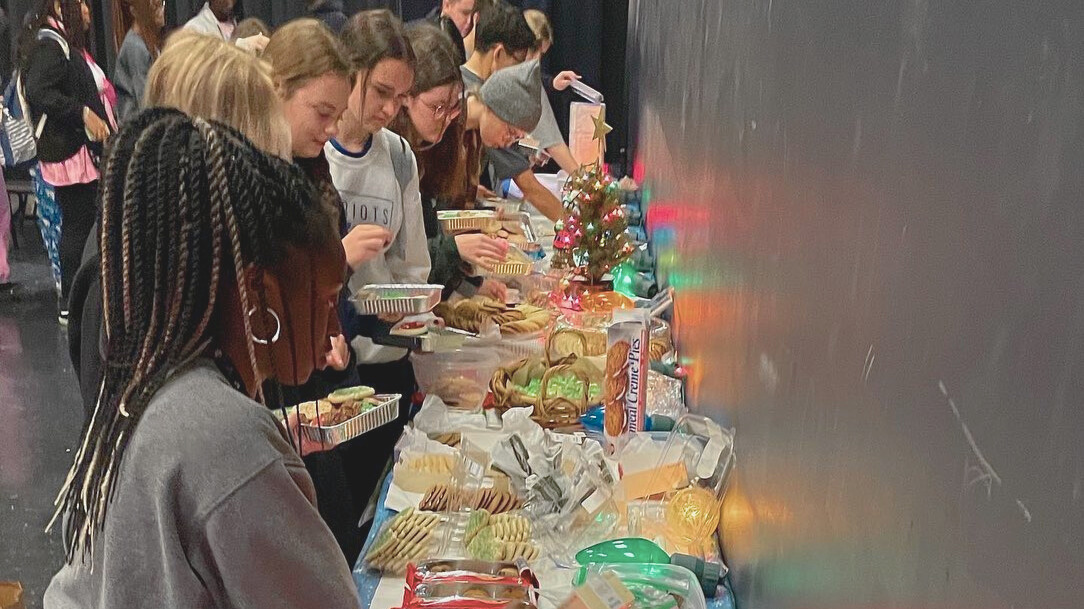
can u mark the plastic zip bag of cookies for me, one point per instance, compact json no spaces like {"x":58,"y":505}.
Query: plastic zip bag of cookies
{"x":481,"y":515}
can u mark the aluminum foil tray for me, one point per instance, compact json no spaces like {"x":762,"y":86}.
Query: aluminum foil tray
{"x":520,"y":224}
{"x":455,"y":221}
{"x":406,"y":299}
{"x":384,"y":413}
{"x":516,"y":263}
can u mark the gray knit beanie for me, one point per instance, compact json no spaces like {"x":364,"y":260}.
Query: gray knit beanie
{"x":514,"y":94}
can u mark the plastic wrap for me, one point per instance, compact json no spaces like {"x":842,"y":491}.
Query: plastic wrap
{"x":691,"y":473}
{"x":460,"y":377}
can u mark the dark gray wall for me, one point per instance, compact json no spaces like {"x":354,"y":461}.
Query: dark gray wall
{"x":874,"y":213}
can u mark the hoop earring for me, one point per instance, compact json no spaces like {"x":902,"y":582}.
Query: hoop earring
{"x":278,"y":328}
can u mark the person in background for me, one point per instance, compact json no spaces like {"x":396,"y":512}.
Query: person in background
{"x":5,"y":233}
{"x":215,"y":19}
{"x":70,"y":101}
{"x":6,"y":67}
{"x":479,"y":7}
{"x":218,"y":273}
{"x":137,"y":36}
{"x":5,"y":203}
{"x":431,"y":122}
{"x":218,"y":18}
{"x":504,"y":39}
{"x":250,"y":26}
{"x":456,"y":19}
{"x":547,"y":135}
{"x":313,"y":78}
{"x":330,"y":12}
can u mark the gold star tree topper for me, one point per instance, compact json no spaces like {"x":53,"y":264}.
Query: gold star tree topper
{"x":601,"y":128}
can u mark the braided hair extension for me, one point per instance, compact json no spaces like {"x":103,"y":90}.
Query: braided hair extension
{"x":185,"y":205}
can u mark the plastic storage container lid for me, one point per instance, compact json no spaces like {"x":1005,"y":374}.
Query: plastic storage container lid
{"x":708,"y":573}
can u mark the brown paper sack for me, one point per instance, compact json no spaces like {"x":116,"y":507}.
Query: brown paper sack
{"x":581,"y":130}
{"x":11,"y":595}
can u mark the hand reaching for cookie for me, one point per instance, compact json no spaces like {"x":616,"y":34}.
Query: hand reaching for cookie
{"x":481,"y":250}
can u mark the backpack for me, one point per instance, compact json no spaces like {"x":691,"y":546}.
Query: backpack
{"x":17,"y":133}
{"x":401,"y":162}
{"x":17,"y":146}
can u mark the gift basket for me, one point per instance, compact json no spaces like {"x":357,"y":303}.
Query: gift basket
{"x":560,"y":391}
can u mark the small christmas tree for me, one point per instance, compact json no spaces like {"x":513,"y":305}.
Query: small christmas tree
{"x":590,"y":238}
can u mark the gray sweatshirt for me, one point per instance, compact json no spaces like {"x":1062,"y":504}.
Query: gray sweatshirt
{"x":130,"y":75}
{"x":213,"y":508}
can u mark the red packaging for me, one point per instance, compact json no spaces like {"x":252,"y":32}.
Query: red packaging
{"x":467,"y":571}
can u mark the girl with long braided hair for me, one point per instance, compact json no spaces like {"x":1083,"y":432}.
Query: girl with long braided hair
{"x":218,"y":272}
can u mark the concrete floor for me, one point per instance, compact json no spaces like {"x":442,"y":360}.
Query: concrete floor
{"x":40,"y":419}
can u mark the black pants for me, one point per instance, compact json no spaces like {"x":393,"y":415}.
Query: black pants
{"x":364,"y":459}
{"x":346,"y":477}
{"x":335,"y":500}
{"x":78,"y":208}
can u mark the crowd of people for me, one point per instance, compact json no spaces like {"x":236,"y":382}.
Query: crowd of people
{"x":221,"y":197}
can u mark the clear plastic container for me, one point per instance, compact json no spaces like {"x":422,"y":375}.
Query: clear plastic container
{"x":653,"y":586}
{"x":459,"y":377}
{"x":694,"y":469}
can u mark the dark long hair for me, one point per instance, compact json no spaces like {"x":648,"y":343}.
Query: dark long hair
{"x":373,"y":36}
{"x":442,"y":166}
{"x":37,"y":17}
{"x":127,"y":13}
{"x":187,"y":206}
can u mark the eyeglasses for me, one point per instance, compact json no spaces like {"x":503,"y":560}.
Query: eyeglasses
{"x":514,"y":134}
{"x":444,"y":109}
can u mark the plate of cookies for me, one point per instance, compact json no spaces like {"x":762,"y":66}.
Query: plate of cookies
{"x":346,"y":414}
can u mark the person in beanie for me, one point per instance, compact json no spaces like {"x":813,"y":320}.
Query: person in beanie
{"x":502,"y":40}
{"x":514,"y":96}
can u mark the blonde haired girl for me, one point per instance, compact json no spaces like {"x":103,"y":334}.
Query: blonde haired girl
{"x":210,"y":78}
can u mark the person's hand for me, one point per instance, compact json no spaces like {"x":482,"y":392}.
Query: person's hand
{"x":253,"y":44}
{"x":493,"y":289}
{"x":365,"y":242}
{"x":564,"y":80}
{"x":338,"y":357}
{"x":308,"y":446}
{"x":481,"y":250}
{"x":97,"y":129}
{"x":485,"y":193}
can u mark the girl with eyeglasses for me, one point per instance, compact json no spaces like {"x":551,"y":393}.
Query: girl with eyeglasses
{"x":432,"y":121}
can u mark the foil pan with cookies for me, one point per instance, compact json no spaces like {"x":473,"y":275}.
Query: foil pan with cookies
{"x":345,"y":414}
{"x":393,"y":298}
{"x":455,"y":221}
